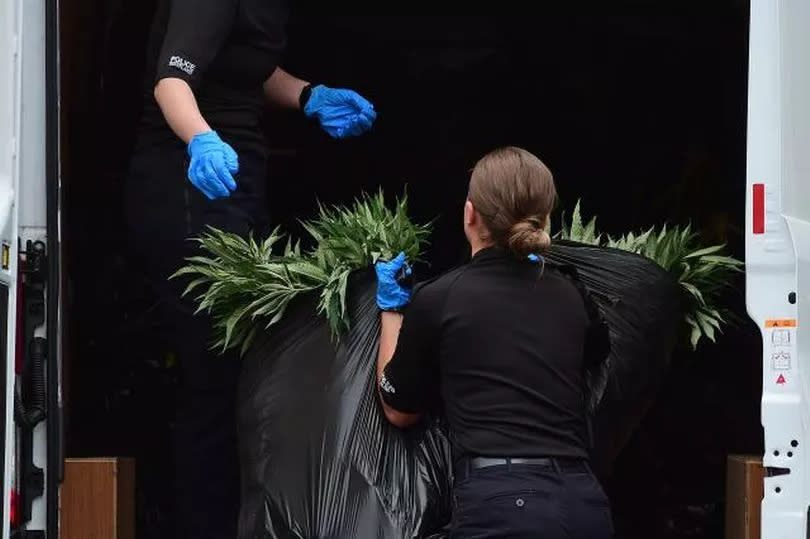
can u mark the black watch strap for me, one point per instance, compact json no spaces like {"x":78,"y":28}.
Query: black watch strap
{"x":304,"y":97}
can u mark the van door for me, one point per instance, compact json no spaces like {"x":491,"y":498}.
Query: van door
{"x":30,"y":408}
{"x":10,"y":109}
{"x":778,"y":252}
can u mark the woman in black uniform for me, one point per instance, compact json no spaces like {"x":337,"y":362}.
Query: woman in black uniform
{"x":200,"y":160}
{"x":504,"y":341}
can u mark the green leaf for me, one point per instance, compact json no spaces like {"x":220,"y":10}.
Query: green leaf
{"x":577,"y":230}
{"x":705,"y":325}
{"x":342,"y":290}
{"x":194,"y":284}
{"x":705,"y":251}
{"x":589,"y":234}
{"x":695,"y":292}
{"x":696,"y":333}
{"x":726,"y":260}
{"x":249,"y":338}
{"x":231,"y":323}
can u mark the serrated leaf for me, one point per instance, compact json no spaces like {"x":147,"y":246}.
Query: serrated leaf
{"x":249,"y":338}
{"x":695,"y":336}
{"x":695,"y":292}
{"x":705,"y":251}
{"x":725,"y":260}
{"x":194,"y":284}
{"x":231,"y":323}
{"x":342,"y":290}
{"x":705,"y":325}
{"x":577,"y":230}
{"x":589,"y":234}
{"x":288,"y":249}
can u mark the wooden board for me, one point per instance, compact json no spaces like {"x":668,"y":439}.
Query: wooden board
{"x":98,"y":499}
{"x":744,"y":492}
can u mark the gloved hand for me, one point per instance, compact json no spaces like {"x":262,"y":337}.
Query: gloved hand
{"x":341,"y":113}
{"x":212,"y":166}
{"x":391,"y":294}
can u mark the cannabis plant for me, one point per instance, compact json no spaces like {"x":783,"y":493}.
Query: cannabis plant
{"x":247,"y":285}
{"x":349,"y":239}
{"x":703,"y":272}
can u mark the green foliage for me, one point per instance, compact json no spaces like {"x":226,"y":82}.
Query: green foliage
{"x":703,"y":272}
{"x":245,"y":285}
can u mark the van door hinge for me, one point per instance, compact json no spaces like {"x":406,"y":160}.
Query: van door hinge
{"x":30,"y":392}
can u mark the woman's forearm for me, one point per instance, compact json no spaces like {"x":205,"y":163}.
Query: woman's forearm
{"x":179,"y":107}
{"x":390,"y":325}
{"x":283,"y":89}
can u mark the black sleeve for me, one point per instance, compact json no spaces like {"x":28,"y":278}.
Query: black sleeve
{"x":409,"y":381}
{"x":195,"y":32}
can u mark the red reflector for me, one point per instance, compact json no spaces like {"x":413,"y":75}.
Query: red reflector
{"x":759,"y":208}
{"x":14,"y":513}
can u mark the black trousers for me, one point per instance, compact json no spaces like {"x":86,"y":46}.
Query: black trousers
{"x":530,"y":502}
{"x":163,"y":211}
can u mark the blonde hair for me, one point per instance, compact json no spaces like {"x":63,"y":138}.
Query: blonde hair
{"x":514,"y":193}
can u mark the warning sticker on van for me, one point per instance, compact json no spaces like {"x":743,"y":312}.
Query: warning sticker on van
{"x":781,"y":323}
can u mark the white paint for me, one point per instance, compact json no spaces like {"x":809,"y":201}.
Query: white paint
{"x":778,"y":262}
{"x":10,"y":111}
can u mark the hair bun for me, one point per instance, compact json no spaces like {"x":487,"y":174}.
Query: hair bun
{"x":514,"y":193}
{"x":527,"y":237}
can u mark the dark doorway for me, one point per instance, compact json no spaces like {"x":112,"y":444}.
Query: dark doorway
{"x":642,"y":115}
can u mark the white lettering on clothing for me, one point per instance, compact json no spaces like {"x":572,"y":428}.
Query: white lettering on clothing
{"x":386,"y":386}
{"x":182,"y":64}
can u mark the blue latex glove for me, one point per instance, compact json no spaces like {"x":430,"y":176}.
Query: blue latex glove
{"x":341,"y":113}
{"x":213,"y":164}
{"x":391,"y":295}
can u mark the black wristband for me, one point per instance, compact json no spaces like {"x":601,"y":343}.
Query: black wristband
{"x":304,"y":96}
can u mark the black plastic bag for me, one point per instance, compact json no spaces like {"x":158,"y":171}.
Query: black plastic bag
{"x":318,"y":457}
{"x":641,"y":304}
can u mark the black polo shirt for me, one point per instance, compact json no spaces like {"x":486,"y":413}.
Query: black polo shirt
{"x":224,"y":50}
{"x":504,"y":344}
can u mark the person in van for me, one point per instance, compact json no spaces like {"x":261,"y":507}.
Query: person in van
{"x":200,"y":160}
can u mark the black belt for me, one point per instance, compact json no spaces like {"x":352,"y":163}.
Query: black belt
{"x":564,"y":465}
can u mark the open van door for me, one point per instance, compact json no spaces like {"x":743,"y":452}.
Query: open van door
{"x":30,"y":407}
{"x":778,"y":252}
{"x":9,"y":188}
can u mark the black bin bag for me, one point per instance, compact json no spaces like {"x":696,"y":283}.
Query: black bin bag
{"x":641,"y":304}
{"x":318,"y":458}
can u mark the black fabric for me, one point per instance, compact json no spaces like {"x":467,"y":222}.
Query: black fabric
{"x":225,"y":50}
{"x":163,"y":210}
{"x":318,"y":456}
{"x":507,"y":342}
{"x":530,"y":502}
